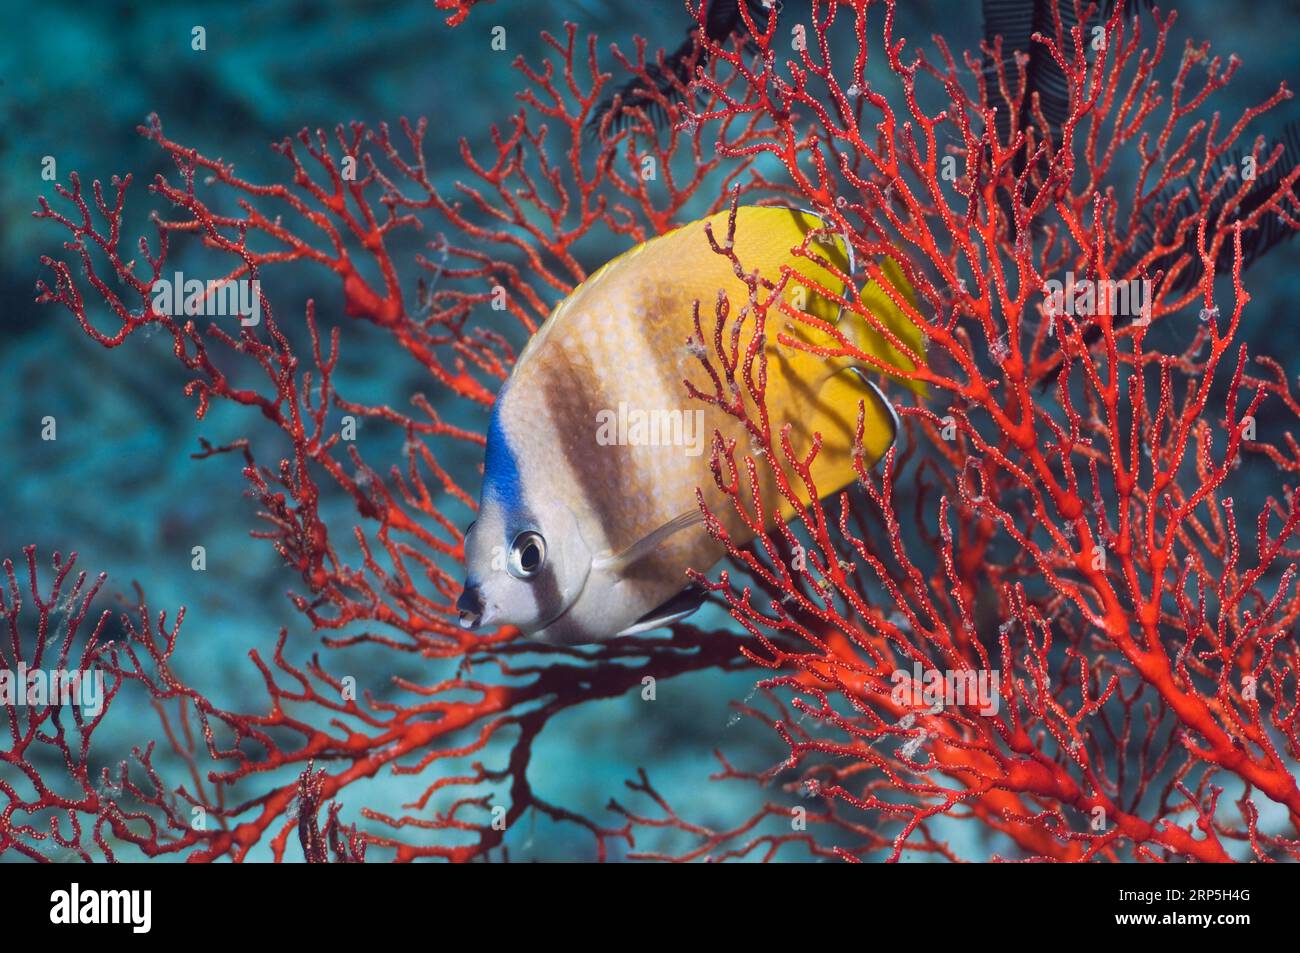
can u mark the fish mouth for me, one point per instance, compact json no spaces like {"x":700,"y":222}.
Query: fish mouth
{"x":474,"y":613}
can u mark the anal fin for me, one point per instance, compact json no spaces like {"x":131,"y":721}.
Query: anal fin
{"x":675,"y":609}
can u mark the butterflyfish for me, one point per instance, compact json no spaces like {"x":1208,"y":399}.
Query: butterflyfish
{"x":588,"y":516}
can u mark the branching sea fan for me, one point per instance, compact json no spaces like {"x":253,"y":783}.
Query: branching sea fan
{"x":1054,"y":622}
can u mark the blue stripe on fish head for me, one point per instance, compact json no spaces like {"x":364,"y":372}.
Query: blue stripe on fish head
{"x":494,"y":594}
{"x":501,"y":479}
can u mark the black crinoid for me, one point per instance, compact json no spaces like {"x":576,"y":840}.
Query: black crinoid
{"x":1217,"y":197}
{"x":667,"y":80}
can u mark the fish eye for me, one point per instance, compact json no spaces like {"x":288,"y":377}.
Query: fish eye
{"x":527,"y":555}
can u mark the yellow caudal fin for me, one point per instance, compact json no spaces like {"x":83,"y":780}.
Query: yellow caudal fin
{"x":835,"y":417}
{"x":844,"y":390}
{"x":882,"y":303}
{"x":766,"y":238}
{"x":823,"y":395}
{"x":832,"y":390}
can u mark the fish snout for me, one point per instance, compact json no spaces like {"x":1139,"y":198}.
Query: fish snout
{"x":471,"y":606}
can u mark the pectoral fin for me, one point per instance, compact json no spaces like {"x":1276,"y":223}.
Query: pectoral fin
{"x":618,"y":563}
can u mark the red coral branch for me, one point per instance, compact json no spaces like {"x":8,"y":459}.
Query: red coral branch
{"x":1082,"y":545}
{"x":347,"y":199}
{"x":1059,"y":513}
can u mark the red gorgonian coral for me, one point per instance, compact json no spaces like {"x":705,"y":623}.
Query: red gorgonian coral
{"x":1059,"y":512}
